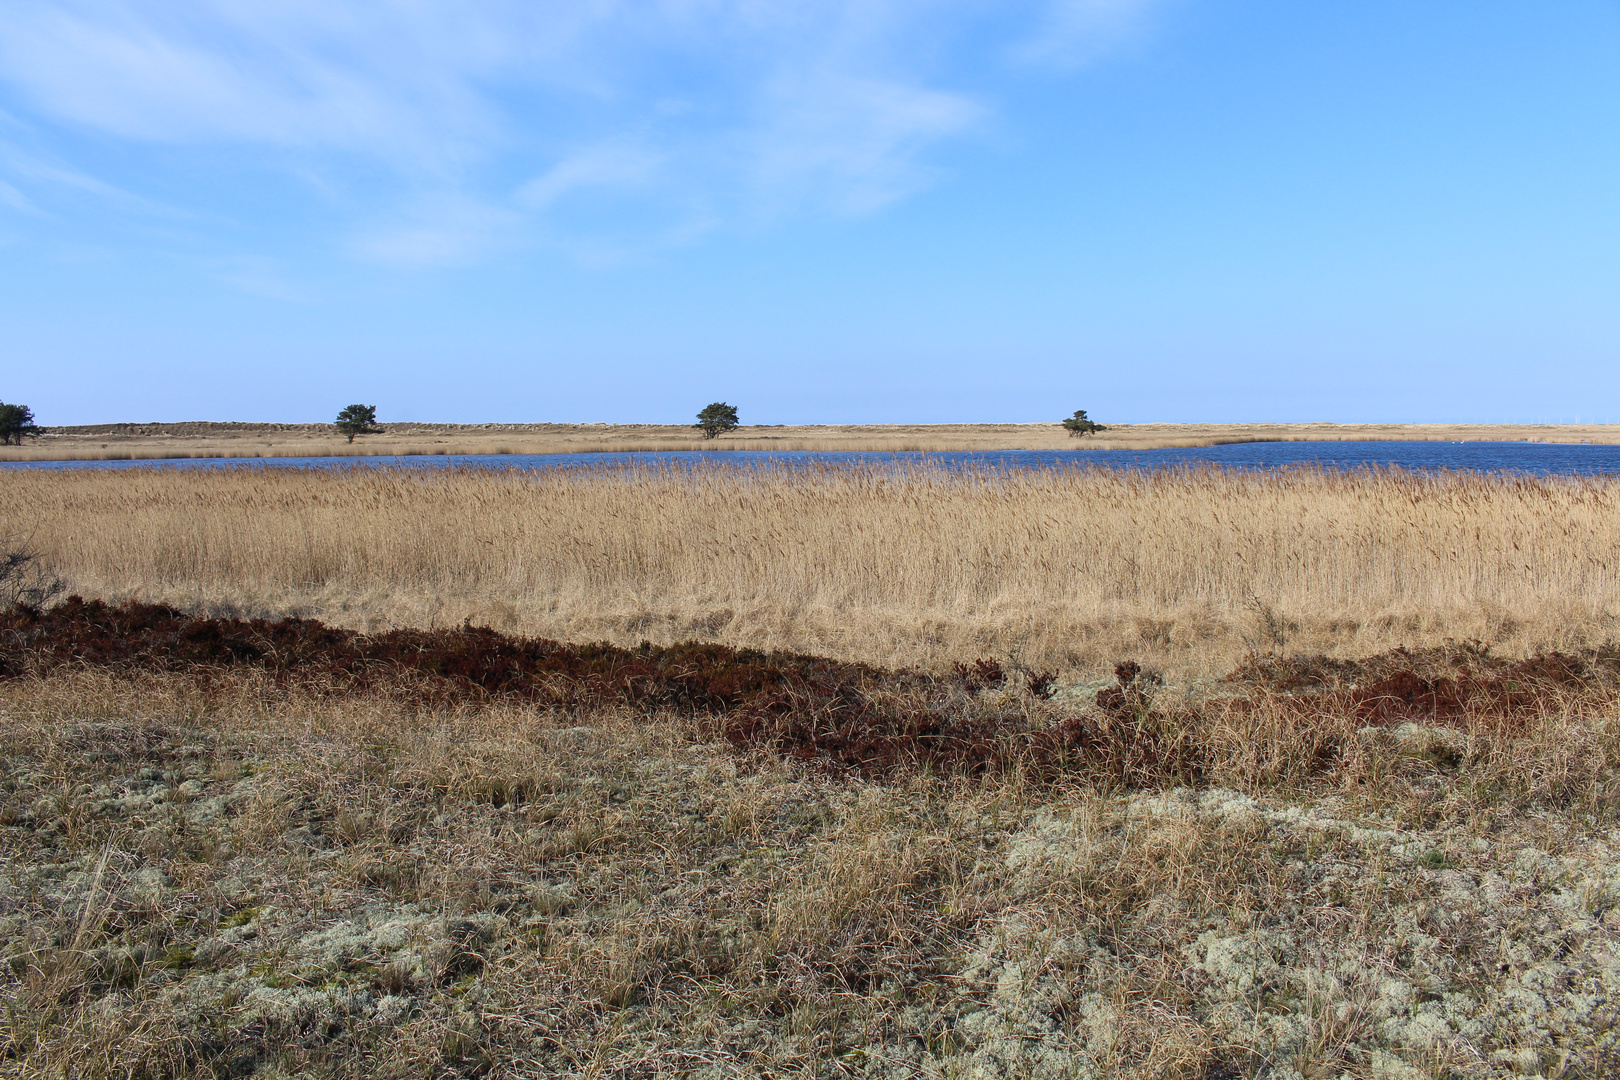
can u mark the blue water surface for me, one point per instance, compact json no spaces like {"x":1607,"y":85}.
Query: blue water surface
{"x":1522,"y":457}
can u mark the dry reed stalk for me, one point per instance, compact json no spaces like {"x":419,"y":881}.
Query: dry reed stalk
{"x":918,"y":565}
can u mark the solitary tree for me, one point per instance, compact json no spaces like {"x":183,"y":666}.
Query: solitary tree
{"x":358,"y":420}
{"x":1079,"y":425}
{"x":717,"y":419}
{"x":16,"y":423}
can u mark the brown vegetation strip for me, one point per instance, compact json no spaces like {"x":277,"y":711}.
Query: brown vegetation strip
{"x":876,"y":721}
{"x":443,"y":665}
{"x":1442,"y":686}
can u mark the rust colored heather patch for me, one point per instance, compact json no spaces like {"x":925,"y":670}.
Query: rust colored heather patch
{"x":811,"y":709}
{"x":1469,"y":660}
{"x":804,"y":706}
{"x":1443,"y":686}
{"x":875,"y":721}
{"x":441,"y":665}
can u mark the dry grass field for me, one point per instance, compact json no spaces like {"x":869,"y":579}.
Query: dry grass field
{"x":204,"y":440}
{"x":268,"y":849}
{"x":1070,"y":569}
{"x":238,"y":871}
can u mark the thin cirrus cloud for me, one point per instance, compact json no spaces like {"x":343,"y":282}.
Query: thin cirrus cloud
{"x":608,"y":165}
{"x":452,"y":130}
{"x":860,"y":140}
{"x":1070,"y":33}
{"x":16,"y":200}
{"x":373,"y":79}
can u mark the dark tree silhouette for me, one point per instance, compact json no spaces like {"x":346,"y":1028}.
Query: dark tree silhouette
{"x":16,"y":424}
{"x":717,"y":419}
{"x":1079,"y":425}
{"x":358,"y":420}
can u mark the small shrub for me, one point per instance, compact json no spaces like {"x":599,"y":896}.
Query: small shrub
{"x":23,"y":580}
{"x":717,"y":419}
{"x":16,"y":424}
{"x":358,"y":420}
{"x":1079,"y":424}
{"x":980,"y":675}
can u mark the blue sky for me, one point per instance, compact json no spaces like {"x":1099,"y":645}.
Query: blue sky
{"x":872,"y":211}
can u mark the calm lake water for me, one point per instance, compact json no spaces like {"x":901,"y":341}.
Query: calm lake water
{"x":1535,"y":458}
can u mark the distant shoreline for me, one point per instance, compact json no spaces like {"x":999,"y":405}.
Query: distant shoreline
{"x":207,"y":439}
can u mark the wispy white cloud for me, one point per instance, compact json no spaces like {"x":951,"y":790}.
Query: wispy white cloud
{"x":854,"y":143}
{"x":258,"y":275}
{"x":16,"y":200}
{"x":44,"y":172}
{"x":438,"y":230}
{"x":398,"y":80}
{"x":609,"y":165}
{"x":1069,"y":33}
{"x":490,"y":120}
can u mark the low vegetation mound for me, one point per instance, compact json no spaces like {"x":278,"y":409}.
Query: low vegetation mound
{"x":465,"y":663}
{"x":983,"y":718}
{"x":1437,"y":686}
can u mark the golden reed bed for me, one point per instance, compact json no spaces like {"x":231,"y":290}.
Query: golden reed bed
{"x":917,"y":565}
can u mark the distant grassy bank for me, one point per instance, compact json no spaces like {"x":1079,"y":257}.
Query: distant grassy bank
{"x":250,"y":440}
